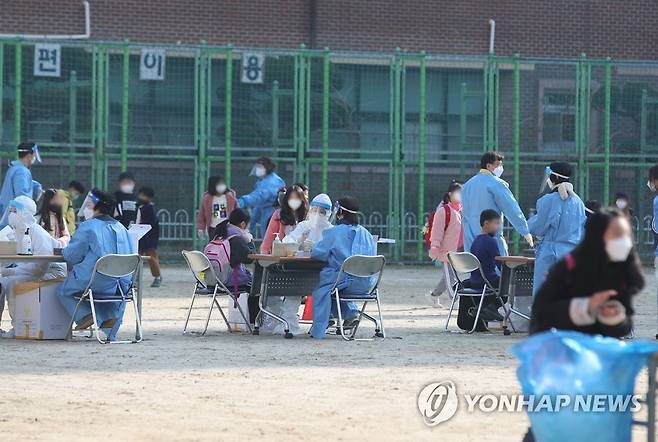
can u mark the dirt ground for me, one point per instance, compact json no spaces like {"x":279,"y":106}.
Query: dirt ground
{"x":242,"y":387}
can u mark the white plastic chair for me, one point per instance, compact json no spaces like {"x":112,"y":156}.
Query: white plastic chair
{"x":362,"y":267}
{"x":205,"y":277}
{"x":116,"y":267}
{"x":464,"y":263}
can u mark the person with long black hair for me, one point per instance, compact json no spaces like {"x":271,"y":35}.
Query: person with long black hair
{"x":294,"y":207}
{"x":51,"y":217}
{"x":590,"y":289}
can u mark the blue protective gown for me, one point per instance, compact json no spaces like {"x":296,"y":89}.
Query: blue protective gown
{"x":261,"y":201}
{"x":18,"y":181}
{"x":92,"y":240}
{"x":339,"y":243}
{"x":487,"y":191}
{"x":559,"y":224}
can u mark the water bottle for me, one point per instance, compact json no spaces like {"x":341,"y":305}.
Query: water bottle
{"x":26,"y":248}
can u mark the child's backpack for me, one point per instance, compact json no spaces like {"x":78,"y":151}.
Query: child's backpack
{"x":427,"y":228}
{"x":218,"y":252}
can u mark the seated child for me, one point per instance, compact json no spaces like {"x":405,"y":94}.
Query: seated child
{"x":485,"y":248}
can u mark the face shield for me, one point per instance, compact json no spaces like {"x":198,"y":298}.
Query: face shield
{"x":258,"y":171}
{"x":87,"y":208}
{"x":320,"y":208}
{"x":33,"y":150}
{"x":546,"y":182}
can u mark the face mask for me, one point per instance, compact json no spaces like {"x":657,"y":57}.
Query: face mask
{"x":314,"y":219}
{"x":88,"y":213}
{"x":498,"y":171}
{"x":294,"y":204}
{"x":56,"y":209}
{"x":75,"y":196}
{"x":15,"y":220}
{"x":221,"y":188}
{"x":651,"y":186}
{"x":260,"y":171}
{"x":621,"y":204}
{"x":127,"y":188}
{"x":618,"y":249}
{"x":456,"y":197}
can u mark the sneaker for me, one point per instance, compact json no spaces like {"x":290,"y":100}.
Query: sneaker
{"x":9,"y":334}
{"x":157,"y":282}
{"x":434,"y":301}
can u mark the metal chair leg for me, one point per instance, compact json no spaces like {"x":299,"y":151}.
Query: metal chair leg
{"x":138,"y":322}
{"x":212,"y":305}
{"x":452,"y":307}
{"x":381,"y":317}
{"x":477,"y":314}
{"x":95,"y":325}
{"x":189,"y":311}
{"x":221,"y":312}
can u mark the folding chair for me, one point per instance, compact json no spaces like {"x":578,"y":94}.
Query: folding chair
{"x":363,"y":267}
{"x":465,"y":263}
{"x":116,"y":267}
{"x":205,"y":277}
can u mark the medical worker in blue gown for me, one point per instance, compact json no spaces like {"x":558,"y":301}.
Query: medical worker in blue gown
{"x":487,"y":191}
{"x":96,"y":237}
{"x":262,"y":199}
{"x":345,"y":239}
{"x":559,"y":221}
{"x":18,"y":179}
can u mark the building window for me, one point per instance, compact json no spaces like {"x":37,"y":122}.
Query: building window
{"x":559,"y":121}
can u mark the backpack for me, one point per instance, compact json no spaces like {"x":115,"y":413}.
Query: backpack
{"x":218,"y":252}
{"x":427,"y":228}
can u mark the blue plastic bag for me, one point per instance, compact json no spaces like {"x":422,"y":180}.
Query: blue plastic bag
{"x":574,"y":367}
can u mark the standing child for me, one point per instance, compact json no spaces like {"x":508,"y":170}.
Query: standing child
{"x":148,"y":244}
{"x":126,"y":198}
{"x":447,"y":235}
{"x":216,"y":206}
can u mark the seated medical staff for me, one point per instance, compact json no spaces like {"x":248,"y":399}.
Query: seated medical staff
{"x":345,"y":239}
{"x":310,"y":231}
{"x":21,"y":219}
{"x":96,"y":237}
{"x":558,"y":222}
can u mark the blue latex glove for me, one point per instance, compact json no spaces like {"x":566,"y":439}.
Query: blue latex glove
{"x":241,"y":203}
{"x":438,"y":264}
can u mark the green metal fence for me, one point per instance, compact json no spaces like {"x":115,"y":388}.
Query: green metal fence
{"x":391,"y":128}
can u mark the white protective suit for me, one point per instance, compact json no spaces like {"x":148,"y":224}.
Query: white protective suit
{"x":21,"y":218}
{"x":309,"y":231}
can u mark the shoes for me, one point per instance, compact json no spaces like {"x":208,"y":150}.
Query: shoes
{"x":9,"y":334}
{"x":349,"y":324}
{"x":157,"y":281}
{"x":434,"y":301}
{"x":84,"y":323}
{"x":109,"y":323}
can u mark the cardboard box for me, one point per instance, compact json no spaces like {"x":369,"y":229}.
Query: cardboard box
{"x":38,"y":312}
{"x":7,"y":247}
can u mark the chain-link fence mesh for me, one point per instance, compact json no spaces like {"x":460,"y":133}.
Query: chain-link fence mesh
{"x":392,"y":129}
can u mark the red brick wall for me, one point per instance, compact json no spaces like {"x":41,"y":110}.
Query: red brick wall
{"x":549,"y":28}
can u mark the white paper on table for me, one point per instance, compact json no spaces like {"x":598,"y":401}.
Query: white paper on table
{"x":7,"y":234}
{"x":136,"y":232}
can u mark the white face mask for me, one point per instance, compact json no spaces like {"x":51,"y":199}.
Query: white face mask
{"x":221,"y":188}
{"x":621,"y":204}
{"x":127,"y":188}
{"x":88,"y":213}
{"x":14,"y":220}
{"x":651,"y":186}
{"x":456,"y":197}
{"x":498,"y":171}
{"x":295,"y":203}
{"x":314,"y":219}
{"x":618,"y":249}
{"x":260,"y":171}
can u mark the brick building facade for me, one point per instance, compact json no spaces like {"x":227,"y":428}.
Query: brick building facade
{"x":556,"y":28}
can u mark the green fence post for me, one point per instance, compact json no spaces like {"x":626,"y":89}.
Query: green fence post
{"x":124,"y":106}
{"x":643,"y":121}
{"x":18,"y":94}
{"x":228,"y":115}
{"x":517,"y":139}
{"x":421,"y":152}
{"x":397,"y":118}
{"x":100,"y":111}
{"x":606,"y":132}
{"x":325,"y":120}
{"x":275,"y":117}
{"x":73,"y":119}
{"x":581,"y":112}
{"x":203,"y":121}
{"x":301,"y":113}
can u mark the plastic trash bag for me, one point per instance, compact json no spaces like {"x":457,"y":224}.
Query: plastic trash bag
{"x":567,"y":363}
{"x":286,"y":308}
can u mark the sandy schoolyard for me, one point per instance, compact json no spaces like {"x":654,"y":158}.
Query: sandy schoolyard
{"x":242,"y":387}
